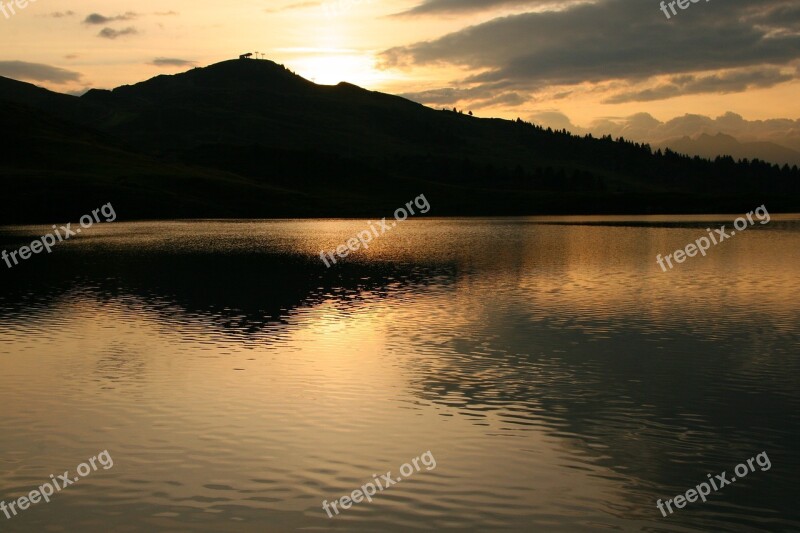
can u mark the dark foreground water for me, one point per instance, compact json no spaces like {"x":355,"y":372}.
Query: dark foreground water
{"x":560,"y":379}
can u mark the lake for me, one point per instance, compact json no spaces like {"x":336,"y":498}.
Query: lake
{"x":559,"y":378}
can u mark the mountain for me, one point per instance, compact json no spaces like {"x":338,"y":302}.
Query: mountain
{"x":249,"y":138}
{"x":710,"y":146}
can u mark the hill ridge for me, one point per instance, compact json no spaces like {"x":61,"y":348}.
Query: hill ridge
{"x":249,"y":137}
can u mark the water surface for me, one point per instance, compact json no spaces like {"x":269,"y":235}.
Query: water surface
{"x":561,"y":380}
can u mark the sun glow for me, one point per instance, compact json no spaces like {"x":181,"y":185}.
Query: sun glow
{"x":331,"y":66}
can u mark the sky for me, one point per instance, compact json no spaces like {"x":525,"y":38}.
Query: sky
{"x":597,"y":66}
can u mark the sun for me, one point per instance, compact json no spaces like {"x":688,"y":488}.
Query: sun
{"x":331,"y":66}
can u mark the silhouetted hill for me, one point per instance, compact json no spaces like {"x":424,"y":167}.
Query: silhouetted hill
{"x":248,"y":138}
{"x":53,"y":167}
{"x":24,"y":93}
{"x":60,"y":105}
{"x":258,"y":102}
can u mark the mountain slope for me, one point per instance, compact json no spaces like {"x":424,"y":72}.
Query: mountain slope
{"x":250,"y":138}
{"x":56,"y":170}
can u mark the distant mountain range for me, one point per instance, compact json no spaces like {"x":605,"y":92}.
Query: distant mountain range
{"x":710,"y":146}
{"x":248,"y":138}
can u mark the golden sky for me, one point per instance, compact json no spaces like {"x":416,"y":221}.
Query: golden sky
{"x":551,"y":61}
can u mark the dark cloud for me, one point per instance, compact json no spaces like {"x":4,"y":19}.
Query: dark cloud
{"x":447,"y":96}
{"x":21,"y":70}
{"x":436,"y":7}
{"x":509,"y":99}
{"x":111,"y":33}
{"x":59,"y":14}
{"x":477,"y":97}
{"x":171,"y":62}
{"x":781,"y":14}
{"x":726,"y":82}
{"x":97,"y":18}
{"x":622,"y":40}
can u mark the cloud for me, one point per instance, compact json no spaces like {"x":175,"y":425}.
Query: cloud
{"x":437,"y":7}
{"x":59,"y":14}
{"x":643,"y":127}
{"x":433,"y":97}
{"x":96,"y":18}
{"x":292,"y":7}
{"x":171,"y":62}
{"x":507,"y":99}
{"x":111,"y":33}
{"x":554,"y":119}
{"x":620,"y":41}
{"x":476,"y":97}
{"x":21,"y":70}
{"x":166,"y":13}
{"x":726,"y":82}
